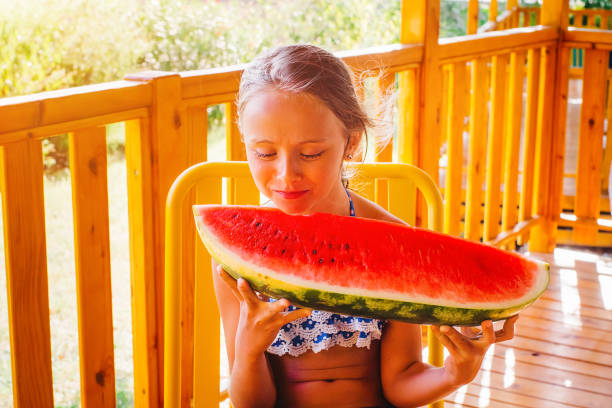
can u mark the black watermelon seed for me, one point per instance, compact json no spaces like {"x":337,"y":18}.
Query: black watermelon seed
{"x":235,"y":215}
{"x":333,"y":260}
{"x":265,"y":247}
{"x":346,"y":246}
{"x":257,"y":224}
{"x":330,"y":245}
{"x":283,"y":251}
{"x":314,"y":251}
{"x":321,"y":260}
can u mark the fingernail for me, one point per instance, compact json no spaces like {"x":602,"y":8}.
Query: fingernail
{"x":444,"y":329}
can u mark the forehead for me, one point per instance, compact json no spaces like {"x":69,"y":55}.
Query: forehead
{"x":276,"y":114}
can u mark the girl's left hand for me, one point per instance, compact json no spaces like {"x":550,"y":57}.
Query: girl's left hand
{"x":466,"y":351}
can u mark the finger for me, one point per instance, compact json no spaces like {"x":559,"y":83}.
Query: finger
{"x":507,"y":332}
{"x":280,"y":305}
{"x":296,"y":314}
{"x":230,"y":282}
{"x":446,"y":342}
{"x":460,"y":341}
{"x":488,"y":334}
{"x":247,"y":293}
{"x":471,"y":332}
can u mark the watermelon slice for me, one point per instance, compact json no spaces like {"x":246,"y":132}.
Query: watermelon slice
{"x":369,"y":268}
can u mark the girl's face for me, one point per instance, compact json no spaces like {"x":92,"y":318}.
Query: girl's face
{"x":295,"y":147}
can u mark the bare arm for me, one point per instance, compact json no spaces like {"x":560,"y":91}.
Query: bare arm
{"x":250,"y":325}
{"x":408,"y":381}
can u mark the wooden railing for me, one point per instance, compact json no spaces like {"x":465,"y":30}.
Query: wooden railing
{"x":444,"y":89}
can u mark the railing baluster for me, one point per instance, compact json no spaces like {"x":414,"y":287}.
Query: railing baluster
{"x":494,"y":147}
{"x":206,"y":358}
{"x":141,"y":206}
{"x":477,"y":149}
{"x":457,"y":89}
{"x":513,"y":139}
{"x":529,"y":138}
{"x":92,"y":253}
{"x":21,"y":186}
{"x":194,"y":128}
{"x":384,"y":145}
{"x":607,"y":161}
{"x":588,"y":184}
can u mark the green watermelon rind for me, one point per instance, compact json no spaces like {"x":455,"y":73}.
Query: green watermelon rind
{"x":369,"y":307}
{"x":359,"y":305}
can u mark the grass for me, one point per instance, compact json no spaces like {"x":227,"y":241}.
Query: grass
{"x":62,"y":281}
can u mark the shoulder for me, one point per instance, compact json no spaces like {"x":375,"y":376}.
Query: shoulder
{"x":365,"y":208}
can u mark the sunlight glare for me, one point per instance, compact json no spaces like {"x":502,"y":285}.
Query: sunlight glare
{"x":605,"y":283}
{"x":570,"y":298}
{"x":485,"y":393}
{"x":604,"y":268}
{"x":563,"y":258}
{"x":575,"y":255}
{"x":568,"y":383}
{"x":509,"y":376}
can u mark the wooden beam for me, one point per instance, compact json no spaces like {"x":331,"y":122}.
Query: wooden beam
{"x":472,"y":17}
{"x":468,"y":47}
{"x":588,"y":35}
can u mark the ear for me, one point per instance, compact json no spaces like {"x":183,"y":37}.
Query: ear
{"x":354,"y":144}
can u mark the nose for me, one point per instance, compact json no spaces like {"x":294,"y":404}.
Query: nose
{"x":289,"y":169}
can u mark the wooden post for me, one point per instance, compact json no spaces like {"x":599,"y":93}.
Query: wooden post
{"x":493,"y":11}
{"x":92,"y":259}
{"x":550,"y":143}
{"x":472,"y":17}
{"x":420,"y":24}
{"x":170,"y":153}
{"x":590,"y":146}
{"x":21,"y":187}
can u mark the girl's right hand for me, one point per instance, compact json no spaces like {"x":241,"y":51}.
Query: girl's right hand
{"x":259,"y":321}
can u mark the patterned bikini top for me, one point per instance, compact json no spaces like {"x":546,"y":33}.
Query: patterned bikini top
{"x":323,"y":330}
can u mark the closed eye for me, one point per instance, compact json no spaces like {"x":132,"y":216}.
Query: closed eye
{"x":264,"y":155}
{"x":312,"y":156}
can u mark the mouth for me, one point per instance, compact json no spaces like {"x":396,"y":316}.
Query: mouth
{"x":290,"y":195}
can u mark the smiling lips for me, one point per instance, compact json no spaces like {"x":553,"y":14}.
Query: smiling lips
{"x":290,"y":195}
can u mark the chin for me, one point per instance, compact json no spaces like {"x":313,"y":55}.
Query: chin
{"x":292,"y":208}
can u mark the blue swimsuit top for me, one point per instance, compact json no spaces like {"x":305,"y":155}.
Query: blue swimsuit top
{"x":323,"y":330}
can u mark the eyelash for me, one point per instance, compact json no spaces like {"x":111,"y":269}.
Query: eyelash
{"x":306,"y":156}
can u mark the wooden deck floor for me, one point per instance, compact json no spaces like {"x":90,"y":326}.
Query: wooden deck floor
{"x":562,"y":354}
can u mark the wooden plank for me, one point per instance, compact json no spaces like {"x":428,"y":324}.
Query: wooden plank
{"x":207,"y":328}
{"x":21,"y":187}
{"x":92,"y":260}
{"x":588,"y":35}
{"x":582,"y":311}
{"x":561,"y":334}
{"x":408,"y":116}
{"x":541,"y":358}
{"x":383,"y":142}
{"x":477,"y":149}
{"x":486,"y":394}
{"x":588,"y":183}
{"x":511,"y":368}
{"x":194,"y":131}
{"x":71,"y":104}
{"x":567,"y":318}
{"x":494,"y":147}
{"x":141,"y":210}
{"x":513,"y":140}
{"x":524,"y":388}
{"x":529,"y":142}
{"x":607,"y":161}
{"x":472,"y":17}
{"x":468,"y":47}
{"x":454,"y":151}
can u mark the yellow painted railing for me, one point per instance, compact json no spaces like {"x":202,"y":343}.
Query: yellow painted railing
{"x":502,"y":177}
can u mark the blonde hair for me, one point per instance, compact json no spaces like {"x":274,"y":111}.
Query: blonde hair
{"x":312,"y":70}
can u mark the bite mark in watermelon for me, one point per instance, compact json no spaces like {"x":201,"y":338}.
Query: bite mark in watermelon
{"x":369,"y":268}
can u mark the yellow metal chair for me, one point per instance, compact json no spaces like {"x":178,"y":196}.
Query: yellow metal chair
{"x":392,"y":185}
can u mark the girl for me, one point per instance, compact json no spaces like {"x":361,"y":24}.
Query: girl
{"x":300,"y":119}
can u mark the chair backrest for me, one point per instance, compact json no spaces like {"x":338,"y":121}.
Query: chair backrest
{"x":391,"y":185}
